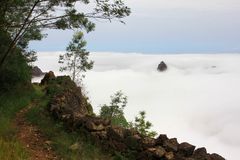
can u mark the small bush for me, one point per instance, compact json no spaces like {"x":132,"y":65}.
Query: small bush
{"x":114,"y":111}
{"x":59,"y":85}
{"x":143,"y":126}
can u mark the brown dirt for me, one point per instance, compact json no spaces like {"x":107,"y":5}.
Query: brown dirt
{"x":36,"y":144}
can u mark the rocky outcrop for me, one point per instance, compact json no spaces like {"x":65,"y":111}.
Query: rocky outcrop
{"x":67,"y":104}
{"x":186,"y":149}
{"x":71,"y":107}
{"x":48,"y":77}
{"x":162,"y":67}
{"x":37,"y":72}
{"x":67,"y":99}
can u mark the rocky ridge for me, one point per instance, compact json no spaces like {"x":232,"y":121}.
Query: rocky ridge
{"x":37,"y":72}
{"x":68,"y":105}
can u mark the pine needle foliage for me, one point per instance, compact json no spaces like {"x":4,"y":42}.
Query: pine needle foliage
{"x":76,"y":59}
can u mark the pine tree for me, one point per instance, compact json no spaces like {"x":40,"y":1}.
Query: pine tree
{"x":76,"y":59}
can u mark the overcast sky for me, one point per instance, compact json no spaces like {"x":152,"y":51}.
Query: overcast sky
{"x":163,"y":26}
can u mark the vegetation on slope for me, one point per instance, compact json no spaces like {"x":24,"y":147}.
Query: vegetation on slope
{"x":20,"y":22}
{"x":10,"y":104}
{"x":67,"y":144}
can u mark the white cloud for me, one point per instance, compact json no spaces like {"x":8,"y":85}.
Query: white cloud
{"x":196,"y":100}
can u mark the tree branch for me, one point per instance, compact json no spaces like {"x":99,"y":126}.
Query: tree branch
{"x":13,"y":43}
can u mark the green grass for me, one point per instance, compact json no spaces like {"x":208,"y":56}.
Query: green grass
{"x":68,"y":145}
{"x":11,"y":149}
{"x":10,"y":104}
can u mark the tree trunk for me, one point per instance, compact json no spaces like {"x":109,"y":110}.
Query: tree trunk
{"x":74,"y":67}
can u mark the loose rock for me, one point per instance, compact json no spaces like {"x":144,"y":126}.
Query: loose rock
{"x":186,"y":149}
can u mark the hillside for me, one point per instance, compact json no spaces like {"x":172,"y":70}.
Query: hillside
{"x":193,"y":96}
{"x":57,"y":122}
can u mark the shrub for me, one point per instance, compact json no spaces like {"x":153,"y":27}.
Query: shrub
{"x":114,"y":111}
{"x":143,"y":126}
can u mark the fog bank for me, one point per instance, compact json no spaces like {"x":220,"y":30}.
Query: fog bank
{"x":196,"y":99}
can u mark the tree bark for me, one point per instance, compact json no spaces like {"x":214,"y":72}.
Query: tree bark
{"x":74,"y":67}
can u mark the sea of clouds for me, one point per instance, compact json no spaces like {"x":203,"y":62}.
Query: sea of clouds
{"x":196,"y":100}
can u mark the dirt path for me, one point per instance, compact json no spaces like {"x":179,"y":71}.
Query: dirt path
{"x":35,"y":143}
